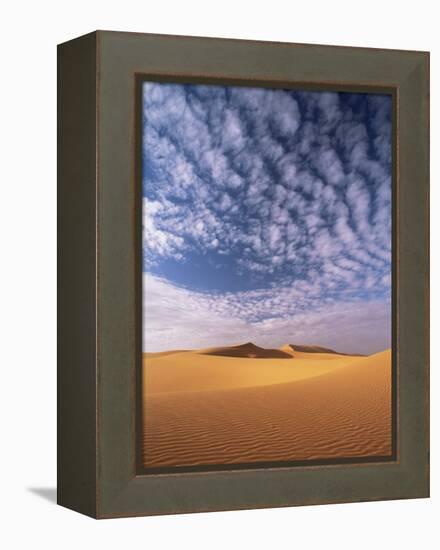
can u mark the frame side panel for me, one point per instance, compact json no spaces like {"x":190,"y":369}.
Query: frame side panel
{"x":413,"y":276}
{"x":76,"y":369}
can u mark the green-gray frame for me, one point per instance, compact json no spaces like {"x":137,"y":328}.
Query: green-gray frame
{"x":99,"y":271}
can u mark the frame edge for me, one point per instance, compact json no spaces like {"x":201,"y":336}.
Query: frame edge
{"x":76,"y":287}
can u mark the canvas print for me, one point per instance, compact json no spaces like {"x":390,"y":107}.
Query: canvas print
{"x":267,"y":276}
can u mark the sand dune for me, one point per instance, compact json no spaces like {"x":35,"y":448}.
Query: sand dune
{"x":249,"y":350}
{"x":164,"y":353}
{"x":295,"y":348}
{"x":216,"y":409}
{"x":196,"y":371}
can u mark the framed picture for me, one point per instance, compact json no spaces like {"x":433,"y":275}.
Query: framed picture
{"x":243,"y":274}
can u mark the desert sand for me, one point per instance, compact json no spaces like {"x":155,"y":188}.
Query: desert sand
{"x":246,"y":404}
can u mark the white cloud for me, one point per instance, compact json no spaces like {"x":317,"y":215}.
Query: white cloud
{"x":163,"y":243}
{"x":288,"y":187}
{"x":178,"y":318}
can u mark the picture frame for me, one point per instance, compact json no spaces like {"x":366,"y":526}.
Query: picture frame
{"x":99,"y":272}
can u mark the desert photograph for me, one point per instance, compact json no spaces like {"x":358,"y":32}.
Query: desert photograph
{"x":266,"y":258}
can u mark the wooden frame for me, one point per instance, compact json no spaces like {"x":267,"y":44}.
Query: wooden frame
{"x":99,"y":272}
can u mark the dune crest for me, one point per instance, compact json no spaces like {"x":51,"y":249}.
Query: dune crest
{"x":288,"y":348}
{"x":249,"y":350}
{"x":318,"y":349}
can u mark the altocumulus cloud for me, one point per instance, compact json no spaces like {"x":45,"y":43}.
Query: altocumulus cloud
{"x":266,"y":216}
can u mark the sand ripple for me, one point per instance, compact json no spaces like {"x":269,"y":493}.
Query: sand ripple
{"x":342,"y":413}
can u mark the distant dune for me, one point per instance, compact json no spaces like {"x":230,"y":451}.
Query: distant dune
{"x":206,"y":407}
{"x":163,"y":353}
{"x":249,"y":350}
{"x":315,"y":349}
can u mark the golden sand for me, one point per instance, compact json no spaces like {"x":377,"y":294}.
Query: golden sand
{"x":207,"y":408}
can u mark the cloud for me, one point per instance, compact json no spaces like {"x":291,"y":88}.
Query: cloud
{"x":160,"y":242}
{"x":252,"y":190}
{"x":178,"y":318}
{"x":304,"y":159}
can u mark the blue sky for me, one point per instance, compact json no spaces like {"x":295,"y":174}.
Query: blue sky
{"x":266,"y":217}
